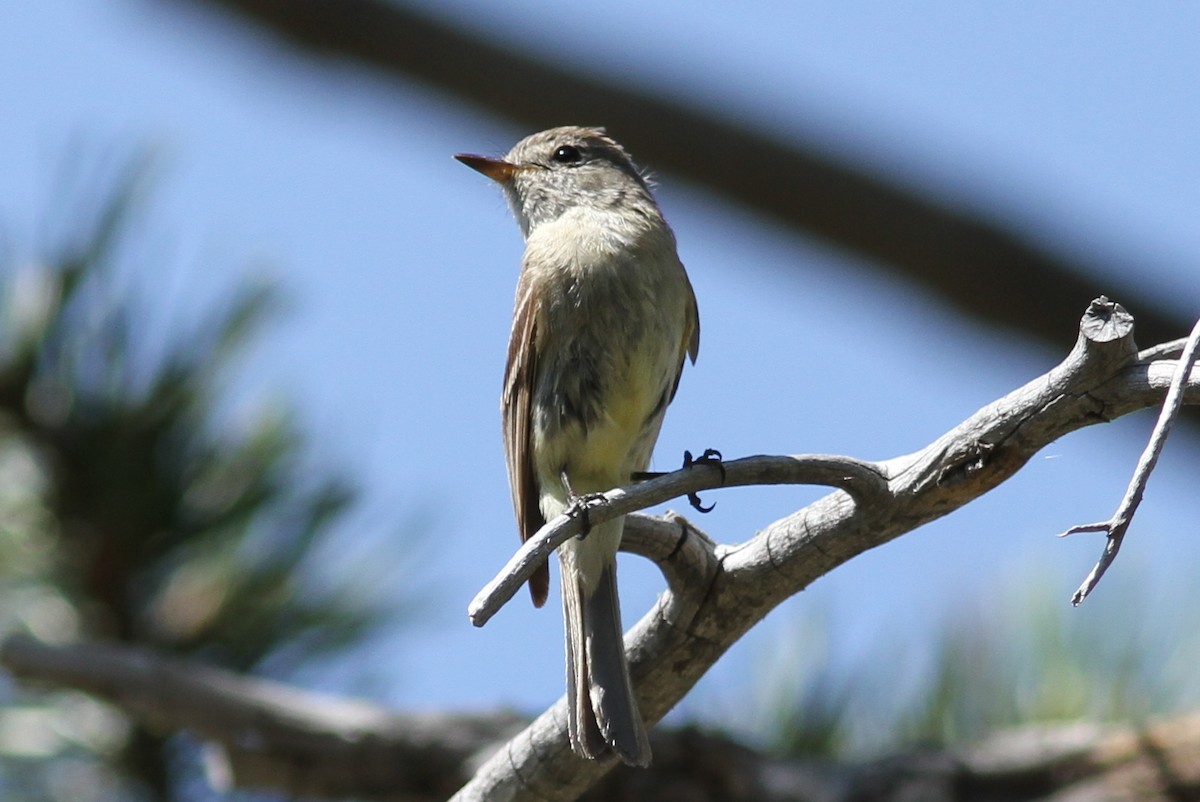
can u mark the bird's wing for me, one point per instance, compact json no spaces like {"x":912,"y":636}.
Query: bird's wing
{"x":515,"y":408}
{"x":694,"y":318}
{"x":689,"y":346}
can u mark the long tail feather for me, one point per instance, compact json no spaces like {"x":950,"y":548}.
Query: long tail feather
{"x":603,"y":711}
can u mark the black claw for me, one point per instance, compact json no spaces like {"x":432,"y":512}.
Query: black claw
{"x":694,"y":500}
{"x":710,"y":457}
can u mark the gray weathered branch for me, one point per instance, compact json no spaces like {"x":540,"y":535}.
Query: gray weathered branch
{"x":1100,"y":379}
{"x":278,"y":737}
{"x":1116,"y":526}
{"x":864,"y":481}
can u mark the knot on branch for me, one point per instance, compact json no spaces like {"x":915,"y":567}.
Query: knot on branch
{"x":960,"y":467}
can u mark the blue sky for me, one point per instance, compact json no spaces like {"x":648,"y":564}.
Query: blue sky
{"x":1075,"y":121}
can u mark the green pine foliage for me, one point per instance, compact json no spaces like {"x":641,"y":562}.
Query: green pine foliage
{"x":130,"y":510}
{"x":1017,"y":656}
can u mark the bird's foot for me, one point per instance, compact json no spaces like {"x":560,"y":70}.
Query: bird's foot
{"x":579,"y":504}
{"x":580,"y":507}
{"x":710,"y":457}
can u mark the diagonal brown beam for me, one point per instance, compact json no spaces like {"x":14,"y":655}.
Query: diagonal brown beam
{"x":980,"y":266}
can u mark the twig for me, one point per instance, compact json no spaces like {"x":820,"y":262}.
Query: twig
{"x":1167,"y":350}
{"x":1116,"y":527}
{"x":861,"y":480}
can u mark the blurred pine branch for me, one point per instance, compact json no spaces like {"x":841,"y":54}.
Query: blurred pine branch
{"x":1025,"y":658}
{"x":130,"y":510}
{"x":977,"y":261}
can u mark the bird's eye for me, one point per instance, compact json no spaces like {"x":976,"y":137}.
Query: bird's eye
{"x":568,"y":154}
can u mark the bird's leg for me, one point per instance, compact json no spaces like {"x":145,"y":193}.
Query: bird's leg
{"x":710,"y":457}
{"x":578,"y":505}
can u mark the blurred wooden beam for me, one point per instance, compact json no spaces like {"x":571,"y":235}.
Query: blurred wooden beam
{"x":981,"y":266}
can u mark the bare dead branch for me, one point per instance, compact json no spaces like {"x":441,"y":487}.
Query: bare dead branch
{"x":715,"y":593}
{"x":864,"y":481}
{"x":1099,"y":380}
{"x":1163,"y":350}
{"x":1116,"y":526}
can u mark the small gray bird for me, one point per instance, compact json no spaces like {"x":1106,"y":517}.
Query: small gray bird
{"x":604,"y":317}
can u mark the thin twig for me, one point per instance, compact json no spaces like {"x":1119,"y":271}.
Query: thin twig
{"x":1167,"y":350}
{"x":1116,"y":527}
{"x":862,"y":480}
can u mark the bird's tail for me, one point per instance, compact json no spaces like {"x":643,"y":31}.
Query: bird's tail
{"x":602,"y":711}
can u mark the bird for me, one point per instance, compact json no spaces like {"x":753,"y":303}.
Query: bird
{"x":605,"y":317}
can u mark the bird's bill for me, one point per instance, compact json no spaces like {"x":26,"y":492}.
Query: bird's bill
{"x":495,"y":169}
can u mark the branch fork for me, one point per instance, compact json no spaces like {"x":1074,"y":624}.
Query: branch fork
{"x":1116,"y":526}
{"x":715,"y":593}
